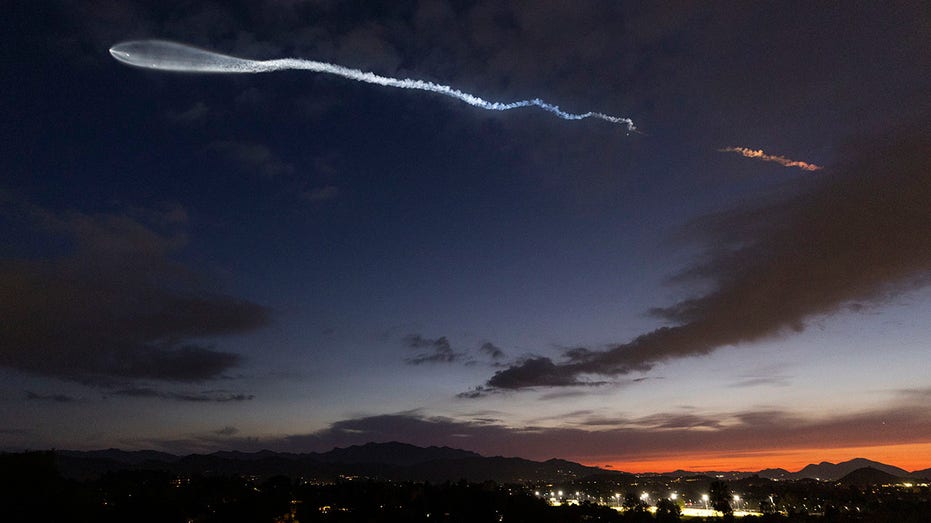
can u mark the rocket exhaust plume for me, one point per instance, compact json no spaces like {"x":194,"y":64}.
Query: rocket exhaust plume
{"x":170,"y":56}
{"x":781,"y":160}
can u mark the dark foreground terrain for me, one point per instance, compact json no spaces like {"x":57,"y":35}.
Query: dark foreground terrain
{"x":32,"y":488}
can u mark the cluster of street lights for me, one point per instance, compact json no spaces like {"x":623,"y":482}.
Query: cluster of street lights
{"x":559,"y":496}
{"x":705,"y":498}
{"x":644,"y":497}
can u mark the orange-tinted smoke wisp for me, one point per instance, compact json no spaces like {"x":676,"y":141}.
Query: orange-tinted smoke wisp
{"x":781,"y":160}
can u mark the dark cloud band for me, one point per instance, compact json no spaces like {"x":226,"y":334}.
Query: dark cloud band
{"x":117,"y":307}
{"x":857,"y":235}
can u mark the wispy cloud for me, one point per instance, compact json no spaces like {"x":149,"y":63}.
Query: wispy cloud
{"x":193,"y":114}
{"x":781,"y":160}
{"x":492,"y":350}
{"x":117,"y":307}
{"x":436,"y":350}
{"x":197,"y":397}
{"x":228,"y":430}
{"x":758,"y":381}
{"x":320,"y":194}
{"x":57,"y":398}
{"x":251,"y":156}
{"x":440,"y":350}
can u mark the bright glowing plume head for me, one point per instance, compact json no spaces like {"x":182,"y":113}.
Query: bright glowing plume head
{"x":170,"y":56}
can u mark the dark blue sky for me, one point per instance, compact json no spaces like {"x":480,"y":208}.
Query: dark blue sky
{"x":297,"y":255}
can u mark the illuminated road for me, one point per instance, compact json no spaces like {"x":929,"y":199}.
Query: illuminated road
{"x":704,"y":512}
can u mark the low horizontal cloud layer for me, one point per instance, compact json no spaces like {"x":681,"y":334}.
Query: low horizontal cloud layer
{"x":858,"y":234}
{"x":56,"y":398}
{"x":440,"y":350}
{"x":113,"y":306}
{"x":619,"y":438}
{"x":214,"y":396}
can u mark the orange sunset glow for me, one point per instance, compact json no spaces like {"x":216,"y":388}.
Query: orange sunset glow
{"x":907,"y":456}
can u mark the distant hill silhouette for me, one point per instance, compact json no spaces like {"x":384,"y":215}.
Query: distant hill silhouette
{"x":394,"y":461}
{"x":867,"y":476}
{"x":710,"y":474}
{"x":402,"y":461}
{"x":501,"y":469}
{"x":777,"y":473}
{"x":392,"y":453}
{"x":827,"y":471}
{"x":134,"y":457}
{"x":824,"y":471}
{"x":253,"y":456}
{"x":923,"y":474}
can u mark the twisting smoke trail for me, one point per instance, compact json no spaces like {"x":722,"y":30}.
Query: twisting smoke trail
{"x":781,"y":160}
{"x":170,"y":56}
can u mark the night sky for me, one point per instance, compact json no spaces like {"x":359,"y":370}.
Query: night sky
{"x":297,"y":261}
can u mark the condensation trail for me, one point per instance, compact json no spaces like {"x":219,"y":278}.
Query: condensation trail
{"x":781,"y":160}
{"x":170,"y":56}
